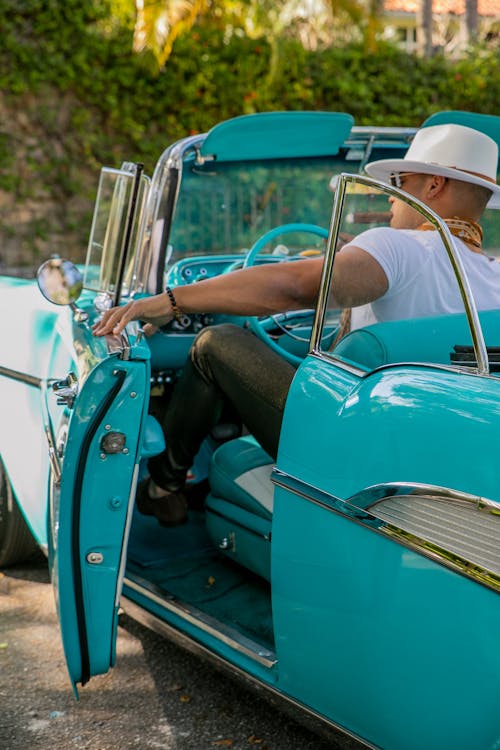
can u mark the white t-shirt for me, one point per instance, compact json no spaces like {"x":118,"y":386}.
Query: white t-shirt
{"x":421,"y":279}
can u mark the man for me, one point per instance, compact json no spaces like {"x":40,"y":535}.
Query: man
{"x":391,"y":272}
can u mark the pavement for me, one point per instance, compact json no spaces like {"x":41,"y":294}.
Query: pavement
{"x":158,"y":696}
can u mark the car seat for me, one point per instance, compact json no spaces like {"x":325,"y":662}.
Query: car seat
{"x":239,"y":508}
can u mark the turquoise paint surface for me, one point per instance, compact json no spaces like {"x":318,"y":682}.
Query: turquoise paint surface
{"x":395,"y":647}
{"x":382,"y":631}
{"x":107,"y":488}
{"x":277,"y":135}
{"x":404,"y":423}
{"x":43,"y":342}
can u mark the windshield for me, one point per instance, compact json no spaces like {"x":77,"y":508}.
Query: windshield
{"x":223,"y":208}
{"x":111,"y":254}
{"x":429,"y":310}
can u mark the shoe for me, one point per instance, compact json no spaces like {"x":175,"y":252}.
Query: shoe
{"x":170,"y":510}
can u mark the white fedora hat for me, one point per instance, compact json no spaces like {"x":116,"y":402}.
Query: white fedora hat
{"x":451,"y":150}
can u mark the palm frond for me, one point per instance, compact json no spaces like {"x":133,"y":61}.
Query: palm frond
{"x":160,"y":22}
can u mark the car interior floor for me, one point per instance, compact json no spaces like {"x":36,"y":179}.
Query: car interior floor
{"x":182,"y":562}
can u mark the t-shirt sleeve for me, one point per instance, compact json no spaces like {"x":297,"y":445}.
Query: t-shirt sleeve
{"x":392,"y":249}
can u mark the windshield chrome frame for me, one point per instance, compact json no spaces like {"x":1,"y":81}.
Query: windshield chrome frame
{"x":346,"y":179}
{"x":166,"y":179}
{"x":111,"y":290}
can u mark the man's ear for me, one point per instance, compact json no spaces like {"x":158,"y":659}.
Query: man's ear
{"x":436,"y":185}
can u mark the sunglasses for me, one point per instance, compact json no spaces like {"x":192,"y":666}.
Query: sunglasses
{"x":395,"y":178}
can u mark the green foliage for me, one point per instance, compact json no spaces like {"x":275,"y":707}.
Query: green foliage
{"x":123,"y":106}
{"x":389,"y":88}
{"x":68,"y":67}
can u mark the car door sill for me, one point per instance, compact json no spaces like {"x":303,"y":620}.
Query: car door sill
{"x":210,"y":625}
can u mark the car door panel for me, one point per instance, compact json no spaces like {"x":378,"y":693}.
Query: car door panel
{"x":91,"y":510}
{"x":401,"y":423}
{"x":379,"y":624}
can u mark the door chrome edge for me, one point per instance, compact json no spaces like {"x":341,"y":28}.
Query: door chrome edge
{"x":206,"y":623}
{"x":305,"y":490}
{"x":300,"y":712}
{"x":126,"y":534}
{"x":357,"y":509}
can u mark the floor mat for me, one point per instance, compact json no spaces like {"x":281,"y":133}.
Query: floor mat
{"x":183,"y":562}
{"x":153,"y":546}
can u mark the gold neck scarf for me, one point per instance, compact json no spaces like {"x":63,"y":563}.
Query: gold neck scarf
{"x":465,"y":229}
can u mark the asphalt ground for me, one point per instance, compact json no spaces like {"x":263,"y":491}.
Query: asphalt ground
{"x":158,"y":696}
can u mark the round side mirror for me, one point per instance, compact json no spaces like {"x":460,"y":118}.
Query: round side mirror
{"x":60,"y":281}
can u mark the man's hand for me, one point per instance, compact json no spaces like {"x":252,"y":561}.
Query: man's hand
{"x":149,"y":329}
{"x":154,"y":311}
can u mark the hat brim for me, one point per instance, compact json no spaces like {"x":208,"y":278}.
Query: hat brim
{"x":382,"y":170}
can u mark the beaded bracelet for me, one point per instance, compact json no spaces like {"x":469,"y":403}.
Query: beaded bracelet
{"x":173,"y":303}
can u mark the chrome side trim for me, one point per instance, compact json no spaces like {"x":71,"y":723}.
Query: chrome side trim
{"x":305,"y":490}
{"x":330,"y":357}
{"x":361,"y":509}
{"x":298,"y":711}
{"x":361,"y":372}
{"x":55,"y":464}
{"x":465,"y":530}
{"x":22,"y":377}
{"x":206,"y":623}
{"x":376,"y":492}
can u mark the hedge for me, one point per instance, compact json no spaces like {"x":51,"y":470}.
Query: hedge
{"x":90,"y":100}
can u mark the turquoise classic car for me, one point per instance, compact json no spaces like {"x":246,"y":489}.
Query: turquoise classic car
{"x":357,"y":578}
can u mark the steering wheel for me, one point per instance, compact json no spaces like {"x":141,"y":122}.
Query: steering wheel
{"x":260,"y":326}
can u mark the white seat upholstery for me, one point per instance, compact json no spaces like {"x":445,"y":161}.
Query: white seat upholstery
{"x":257,"y":482}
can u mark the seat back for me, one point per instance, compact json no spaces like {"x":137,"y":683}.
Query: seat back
{"x":428,"y":339}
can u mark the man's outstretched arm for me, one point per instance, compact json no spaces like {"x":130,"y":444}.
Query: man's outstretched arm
{"x":260,"y":290}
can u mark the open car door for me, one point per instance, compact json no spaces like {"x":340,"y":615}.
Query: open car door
{"x":91,"y":500}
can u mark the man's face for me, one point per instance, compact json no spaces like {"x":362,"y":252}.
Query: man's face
{"x":402,"y":215}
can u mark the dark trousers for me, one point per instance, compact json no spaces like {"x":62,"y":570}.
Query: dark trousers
{"x":226,"y":364}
